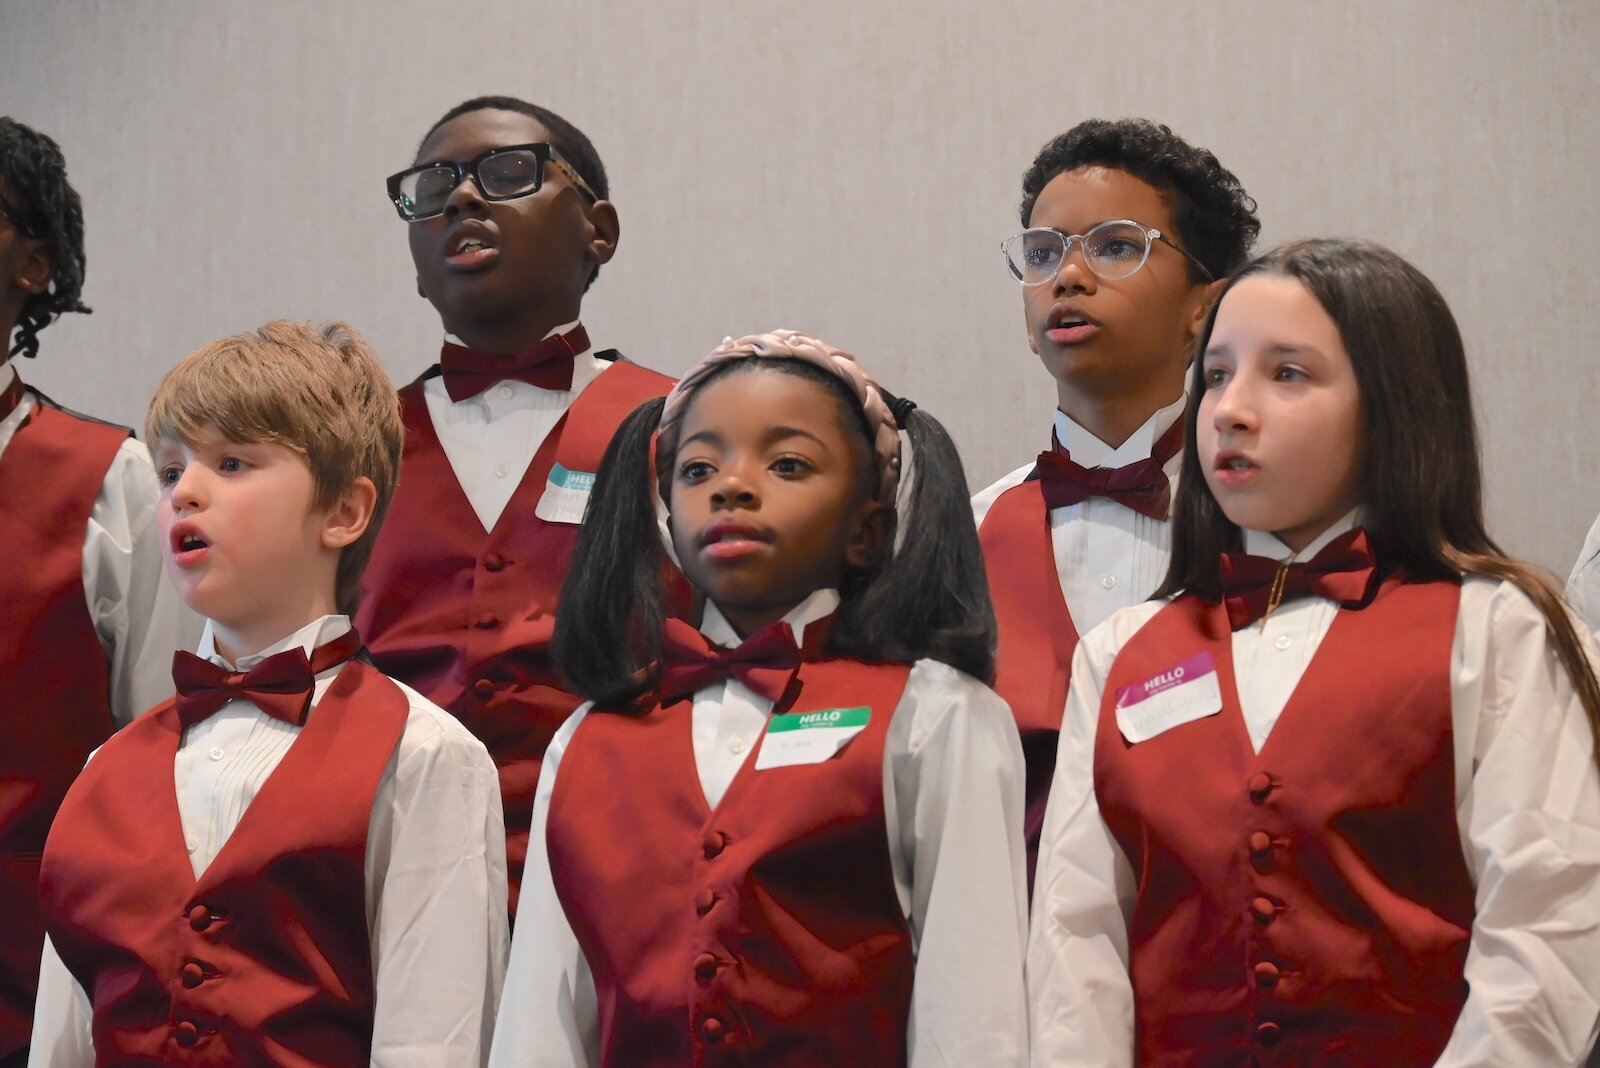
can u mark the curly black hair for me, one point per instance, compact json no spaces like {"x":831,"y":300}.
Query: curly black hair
{"x":1215,"y":217}
{"x":572,"y":143}
{"x":33,"y":179}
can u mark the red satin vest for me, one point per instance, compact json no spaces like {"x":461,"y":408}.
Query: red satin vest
{"x":466,"y":616}
{"x":1308,"y":904}
{"x":264,"y":959}
{"x":765,"y":931}
{"x":54,"y":674}
{"x":1033,"y":662}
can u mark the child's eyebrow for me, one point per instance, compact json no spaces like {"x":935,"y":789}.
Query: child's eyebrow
{"x":779,"y":433}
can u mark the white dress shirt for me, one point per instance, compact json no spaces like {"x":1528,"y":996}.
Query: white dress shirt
{"x":491,"y":439}
{"x":952,"y":793}
{"x":1583,"y":588}
{"x":1527,"y":808}
{"x":1108,"y":556}
{"x":435,"y":871}
{"x":137,"y":615}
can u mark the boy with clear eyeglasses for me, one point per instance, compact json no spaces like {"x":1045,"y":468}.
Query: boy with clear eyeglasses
{"x":509,"y":224}
{"x":1130,"y":232}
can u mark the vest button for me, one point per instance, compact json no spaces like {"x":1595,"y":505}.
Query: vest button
{"x":713,"y":844}
{"x":486,"y":621}
{"x":1268,"y":1033}
{"x":1264,"y":910}
{"x":186,"y":1033}
{"x":495,"y":562}
{"x":199,"y":918}
{"x":1260,"y":843}
{"x":711,"y":1029}
{"x":704,"y":900}
{"x":1266,"y":974}
{"x":192,"y":975}
{"x":705,"y":967}
{"x":1260,"y":785}
{"x":483,"y":688}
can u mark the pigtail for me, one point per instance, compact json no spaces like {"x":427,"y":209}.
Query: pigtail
{"x":931,"y":598}
{"x":612,"y":610}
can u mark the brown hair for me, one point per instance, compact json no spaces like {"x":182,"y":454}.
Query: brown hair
{"x":1422,"y":485}
{"x":316,"y":389}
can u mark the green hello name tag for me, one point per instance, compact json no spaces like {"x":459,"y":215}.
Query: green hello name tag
{"x":809,"y":737}
{"x":566,"y":495}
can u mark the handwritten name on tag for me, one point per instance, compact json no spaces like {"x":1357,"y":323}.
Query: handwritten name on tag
{"x":1181,"y":694}
{"x":566,"y":495}
{"x":809,"y":737}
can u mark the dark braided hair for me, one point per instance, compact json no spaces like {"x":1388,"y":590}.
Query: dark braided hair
{"x":33,"y":181}
{"x":1215,"y":217}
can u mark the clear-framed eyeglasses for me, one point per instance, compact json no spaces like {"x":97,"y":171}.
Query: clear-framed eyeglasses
{"x":1113,"y":249}
{"x":500,"y":174}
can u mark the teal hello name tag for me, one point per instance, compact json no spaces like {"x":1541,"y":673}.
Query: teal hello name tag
{"x":566,"y":495}
{"x":809,"y":737}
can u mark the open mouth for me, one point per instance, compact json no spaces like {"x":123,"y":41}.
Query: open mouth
{"x":470,"y":250}
{"x":188,"y":545}
{"x":1069,"y":326}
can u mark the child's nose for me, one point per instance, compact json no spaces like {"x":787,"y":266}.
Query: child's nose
{"x":1074,"y":275}
{"x":1232,"y":407}
{"x":187,"y":492}
{"x":465,"y":197}
{"x":733,"y":490}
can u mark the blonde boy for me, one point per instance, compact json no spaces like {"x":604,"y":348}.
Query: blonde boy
{"x":323,"y":881}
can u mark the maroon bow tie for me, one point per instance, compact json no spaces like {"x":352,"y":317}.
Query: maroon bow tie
{"x":548,"y":365}
{"x":765,"y":662}
{"x":11,"y":397}
{"x":1142,"y":486}
{"x":1252,"y":586}
{"x":280,"y":685}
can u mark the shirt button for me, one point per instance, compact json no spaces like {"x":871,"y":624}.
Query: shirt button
{"x":502,"y":471}
{"x":1109,"y":582}
{"x":192,"y":844}
{"x":217,"y":753}
{"x":506,"y":391}
{"x":1282,"y":641}
{"x":737,"y":745}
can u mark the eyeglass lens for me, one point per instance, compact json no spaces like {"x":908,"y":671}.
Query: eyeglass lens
{"x":1112,"y":250}
{"x":500,"y":176}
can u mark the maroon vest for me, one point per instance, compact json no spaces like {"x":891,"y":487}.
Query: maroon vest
{"x":54,"y":675}
{"x":466,"y":616}
{"x":763,"y":932}
{"x":1033,"y":663}
{"x":265,"y":958}
{"x":1308,"y":904}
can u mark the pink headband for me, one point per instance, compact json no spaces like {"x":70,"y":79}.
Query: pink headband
{"x":790,"y":345}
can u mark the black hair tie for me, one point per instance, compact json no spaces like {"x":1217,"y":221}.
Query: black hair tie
{"x":900,"y":407}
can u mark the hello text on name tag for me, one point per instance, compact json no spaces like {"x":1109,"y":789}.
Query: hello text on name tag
{"x":1181,"y":694}
{"x":809,"y":737}
{"x":566,"y":495}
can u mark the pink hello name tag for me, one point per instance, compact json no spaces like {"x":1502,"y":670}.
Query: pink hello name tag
{"x":1180,"y":694}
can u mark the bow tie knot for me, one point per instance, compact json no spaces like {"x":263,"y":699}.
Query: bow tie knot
{"x":548,"y":365}
{"x":280,"y":685}
{"x":1343,"y":572}
{"x":765,"y":662}
{"x":1142,"y":485}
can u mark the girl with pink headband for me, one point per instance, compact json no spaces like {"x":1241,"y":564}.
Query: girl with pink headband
{"x":791,"y":835}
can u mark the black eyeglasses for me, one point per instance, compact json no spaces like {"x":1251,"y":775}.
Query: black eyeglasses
{"x":500,"y":174}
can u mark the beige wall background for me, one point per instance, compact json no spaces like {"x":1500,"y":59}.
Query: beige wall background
{"x":843,"y":166}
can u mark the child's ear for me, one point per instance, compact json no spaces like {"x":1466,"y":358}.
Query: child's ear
{"x":1206,"y":296}
{"x":347,"y":520}
{"x":872,"y":535}
{"x":605,"y":230}
{"x":33,"y":273}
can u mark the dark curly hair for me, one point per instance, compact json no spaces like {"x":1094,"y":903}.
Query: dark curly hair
{"x":33,"y":178}
{"x":572,"y":143}
{"x":1215,"y":217}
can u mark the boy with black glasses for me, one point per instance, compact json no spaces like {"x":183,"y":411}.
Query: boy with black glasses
{"x":1129,"y":233}
{"x":509,"y":224}
{"x":89,"y":625}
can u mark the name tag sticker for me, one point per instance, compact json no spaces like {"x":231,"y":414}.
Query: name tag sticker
{"x":566,"y":495}
{"x":809,"y":737}
{"x":1180,"y":694}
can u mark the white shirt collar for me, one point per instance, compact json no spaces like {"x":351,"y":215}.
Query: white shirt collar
{"x":1089,"y":451}
{"x":1263,"y":543}
{"x":317,"y":632}
{"x":819,"y":605}
{"x":562,"y":329}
